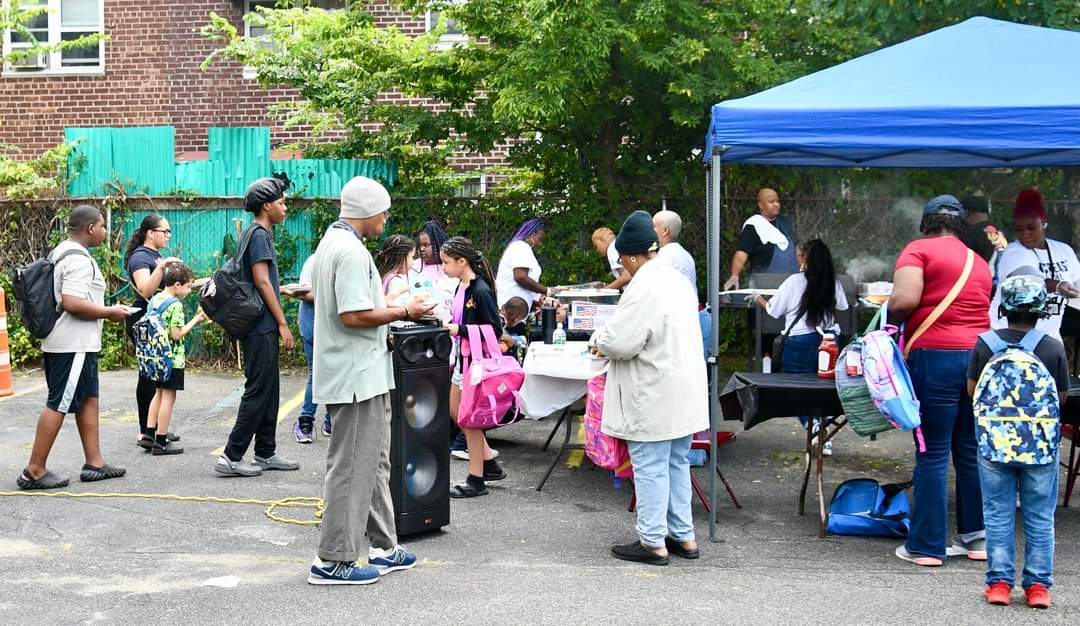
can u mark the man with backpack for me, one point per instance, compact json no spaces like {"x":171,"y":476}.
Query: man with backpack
{"x":1019,"y":381}
{"x":71,"y":349}
{"x":257,"y":416}
{"x":353,"y":376}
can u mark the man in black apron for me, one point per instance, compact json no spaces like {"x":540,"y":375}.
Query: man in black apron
{"x":767,"y":240}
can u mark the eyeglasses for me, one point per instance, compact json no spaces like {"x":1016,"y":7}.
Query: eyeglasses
{"x":167,"y":231}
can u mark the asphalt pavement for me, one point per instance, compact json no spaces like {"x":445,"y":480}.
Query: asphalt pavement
{"x":515,"y":556}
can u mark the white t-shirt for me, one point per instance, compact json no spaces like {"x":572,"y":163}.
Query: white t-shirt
{"x":681,"y":260}
{"x":78,"y":275}
{"x":517,"y":254}
{"x":613,"y":259}
{"x":1015,"y":255}
{"x":788,"y":298}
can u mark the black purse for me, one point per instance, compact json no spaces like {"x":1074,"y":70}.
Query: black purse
{"x":778,"y":343}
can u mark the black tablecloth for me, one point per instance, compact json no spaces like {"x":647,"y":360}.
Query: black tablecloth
{"x":755,"y":397}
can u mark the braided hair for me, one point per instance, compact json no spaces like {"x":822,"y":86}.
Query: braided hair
{"x":138,"y":238}
{"x":462,"y":248}
{"x":436,"y":234}
{"x":393,"y":253}
{"x":527,"y":229}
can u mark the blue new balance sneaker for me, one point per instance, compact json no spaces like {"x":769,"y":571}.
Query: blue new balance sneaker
{"x":341,"y":573}
{"x":398,"y":559}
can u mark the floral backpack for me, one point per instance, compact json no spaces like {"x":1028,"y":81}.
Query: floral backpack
{"x":1016,"y":403}
{"x":605,"y":451}
{"x":153,"y":348}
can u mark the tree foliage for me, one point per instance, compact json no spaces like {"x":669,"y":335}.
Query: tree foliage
{"x":596,"y":98}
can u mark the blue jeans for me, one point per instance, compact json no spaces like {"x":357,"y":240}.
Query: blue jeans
{"x":800,"y":357}
{"x":306,"y":321}
{"x":1038,"y":485}
{"x":662,"y":483}
{"x":948,"y":424}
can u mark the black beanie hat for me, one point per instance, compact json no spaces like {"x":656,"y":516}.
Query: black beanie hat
{"x":637,"y":235}
{"x":262,"y":191}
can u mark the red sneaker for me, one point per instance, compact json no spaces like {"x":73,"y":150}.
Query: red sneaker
{"x":998,"y":593}
{"x":1038,"y":596}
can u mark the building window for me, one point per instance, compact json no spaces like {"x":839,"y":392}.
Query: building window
{"x":453,"y":36}
{"x":55,"y":22}
{"x":258,"y":30}
{"x":472,"y":186}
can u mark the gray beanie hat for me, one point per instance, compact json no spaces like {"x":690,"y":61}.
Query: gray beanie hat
{"x":363,"y":197}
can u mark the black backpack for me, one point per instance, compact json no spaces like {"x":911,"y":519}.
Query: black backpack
{"x":230,"y":300}
{"x":32,"y":286}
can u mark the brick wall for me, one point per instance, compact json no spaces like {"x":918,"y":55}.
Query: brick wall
{"x":152,"y":77}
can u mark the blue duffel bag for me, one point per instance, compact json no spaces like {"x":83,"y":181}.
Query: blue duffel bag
{"x":863,"y":507}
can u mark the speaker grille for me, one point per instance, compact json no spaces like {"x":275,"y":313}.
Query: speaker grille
{"x":421,"y":473}
{"x":421,"y":400}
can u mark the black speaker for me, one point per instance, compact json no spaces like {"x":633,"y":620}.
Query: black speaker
{"x":419,"y":453}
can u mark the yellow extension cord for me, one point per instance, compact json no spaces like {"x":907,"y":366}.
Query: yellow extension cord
{"x":307,"y":502}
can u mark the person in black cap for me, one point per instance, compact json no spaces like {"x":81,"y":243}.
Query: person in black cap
{"x":979,"y":234}
{"x":257,"y":416}
{"x":653,"y":341}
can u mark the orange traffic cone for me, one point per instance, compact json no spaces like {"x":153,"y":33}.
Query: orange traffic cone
{"x":5,"y":354}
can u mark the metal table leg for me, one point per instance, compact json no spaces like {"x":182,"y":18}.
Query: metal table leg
{"x":568,"y":418}
{"x":558,"y":422}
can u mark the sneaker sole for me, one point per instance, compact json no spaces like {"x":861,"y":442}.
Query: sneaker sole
{"x":236,"y":473}
{"x":318,"y":580}
{"x":274,"y":468}
{"x":395,"y":568}
{"x":974,"y":555}
{"x":922,"y":561}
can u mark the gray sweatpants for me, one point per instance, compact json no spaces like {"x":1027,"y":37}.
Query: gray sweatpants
{"x":357,"y":487}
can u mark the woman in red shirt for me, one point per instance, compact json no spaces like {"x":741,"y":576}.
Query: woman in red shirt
{"x":938,"y":269}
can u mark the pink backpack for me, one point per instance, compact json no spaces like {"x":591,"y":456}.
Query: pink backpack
{"x":490,"y":381}
{"x":605,"y":451}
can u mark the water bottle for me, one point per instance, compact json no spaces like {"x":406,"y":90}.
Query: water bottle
{"x":766,"y":364}
{"x":547,"y":319}
{"x":559,"y":336}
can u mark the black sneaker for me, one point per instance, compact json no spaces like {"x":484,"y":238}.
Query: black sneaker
{"x":168,"y":449}
{"x":146,"y":443}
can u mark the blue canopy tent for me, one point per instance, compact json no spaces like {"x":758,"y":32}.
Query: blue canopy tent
{"x":982,"y":93}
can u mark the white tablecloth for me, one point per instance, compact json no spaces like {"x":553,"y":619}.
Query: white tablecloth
{"x":555,"y":377}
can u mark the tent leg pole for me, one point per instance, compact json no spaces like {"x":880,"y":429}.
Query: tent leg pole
{"x":714,"y":214}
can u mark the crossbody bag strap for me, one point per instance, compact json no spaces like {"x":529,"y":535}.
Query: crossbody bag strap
{"x":798,"y":317}
{"x":944,"y":304}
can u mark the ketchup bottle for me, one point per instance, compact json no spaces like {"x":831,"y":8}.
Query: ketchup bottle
{"x":826,"y":356}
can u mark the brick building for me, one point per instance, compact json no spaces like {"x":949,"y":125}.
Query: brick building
{"x":148,"y":73}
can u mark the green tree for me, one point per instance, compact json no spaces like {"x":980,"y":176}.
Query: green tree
{"x":599,"y":99}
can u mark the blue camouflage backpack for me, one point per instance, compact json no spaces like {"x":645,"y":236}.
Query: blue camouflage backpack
{"x":153,"y":345}
{"x":1016,"y":403}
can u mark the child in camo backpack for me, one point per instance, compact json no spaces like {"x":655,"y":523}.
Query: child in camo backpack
{"x":179,"y":280}
{"x":1017,"y":425}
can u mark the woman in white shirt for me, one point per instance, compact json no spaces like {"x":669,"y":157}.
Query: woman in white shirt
{"x":808,"y":302}
{"x":1055,"y":260}
{"x":519,"y":271}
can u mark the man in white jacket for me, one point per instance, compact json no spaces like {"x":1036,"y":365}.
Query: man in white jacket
{"x":656,"y":394}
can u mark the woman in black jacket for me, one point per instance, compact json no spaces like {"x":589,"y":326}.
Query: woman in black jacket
{"x":475,"y":304}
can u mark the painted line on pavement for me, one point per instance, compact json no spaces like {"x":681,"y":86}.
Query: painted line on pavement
{"x":283,"y":411}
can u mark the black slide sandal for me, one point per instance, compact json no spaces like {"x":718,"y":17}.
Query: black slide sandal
{"x":465,"y":490}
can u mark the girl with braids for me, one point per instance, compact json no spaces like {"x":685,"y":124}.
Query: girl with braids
{"x":519,"y":271}
{"x":428,"y":268}
{"x":474,"y":303}
{"x":146,"y":272}
{"x":393,"y":262}
{"x":808,"y":302}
